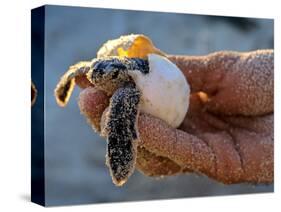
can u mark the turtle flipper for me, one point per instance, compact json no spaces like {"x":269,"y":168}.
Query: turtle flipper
{"x":66,"y":84}
{"x":33,"y":93}
{"x":121,"y":131}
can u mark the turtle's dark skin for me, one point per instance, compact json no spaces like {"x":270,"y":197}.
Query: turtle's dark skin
{"x":122,"y":135}
{"x":111,"y":75}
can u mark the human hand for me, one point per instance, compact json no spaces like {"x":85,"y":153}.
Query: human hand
{"x":228,"y":131}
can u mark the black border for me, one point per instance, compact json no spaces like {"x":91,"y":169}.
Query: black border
{"x":37,"y":111}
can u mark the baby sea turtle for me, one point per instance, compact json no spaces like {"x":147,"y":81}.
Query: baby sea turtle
{"x":152,"y":85}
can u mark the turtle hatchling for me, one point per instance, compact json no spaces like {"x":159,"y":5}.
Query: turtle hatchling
{"x":152,"y":85}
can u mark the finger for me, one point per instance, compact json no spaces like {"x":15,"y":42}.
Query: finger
{"x":186,"y":150}
{"x":256,"y":152}
{"x":92,"y":103}
{"x":235,"y":83}
{"x":198,"y":120}
{"x":261,"y":125}
{"x":217,"y":154}
{"x":228,"y":167}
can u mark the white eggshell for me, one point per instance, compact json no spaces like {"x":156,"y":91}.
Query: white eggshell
{"x":165,"y":90}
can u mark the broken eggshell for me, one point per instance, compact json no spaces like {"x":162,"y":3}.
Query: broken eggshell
{"x":133,"y":45}
{"x":165,"y":90}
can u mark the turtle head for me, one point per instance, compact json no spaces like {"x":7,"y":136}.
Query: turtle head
{"x":108,"y":73}
{"x":108,"y":69}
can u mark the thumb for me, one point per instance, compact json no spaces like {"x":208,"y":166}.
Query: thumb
{"x":92,"y":103}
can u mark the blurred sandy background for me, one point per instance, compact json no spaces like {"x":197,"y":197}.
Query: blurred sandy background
{"x":74,"y":154}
